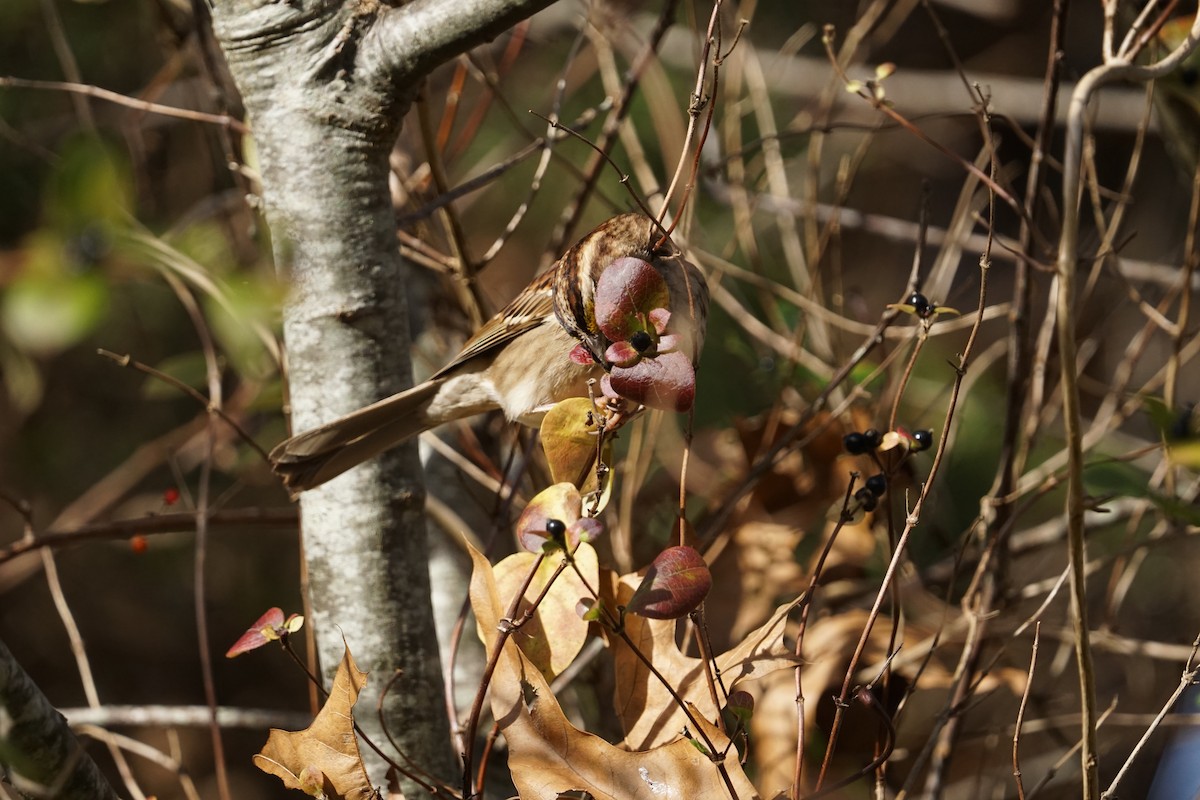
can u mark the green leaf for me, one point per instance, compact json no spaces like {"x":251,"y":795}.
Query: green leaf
{"x":46,"y":313}
{"x":250,"y":305}
{"x":1114,"y":478}
{"x":91,"y":186}
{"x":1159,"y":414}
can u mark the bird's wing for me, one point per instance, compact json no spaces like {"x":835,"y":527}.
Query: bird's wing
{"x":527,"y":310}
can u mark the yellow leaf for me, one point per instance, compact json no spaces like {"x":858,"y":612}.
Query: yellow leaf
{"x":555,"y":633}
{"x":570,"y":444}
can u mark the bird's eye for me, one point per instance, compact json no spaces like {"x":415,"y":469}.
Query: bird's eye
{"x":641,"y":341}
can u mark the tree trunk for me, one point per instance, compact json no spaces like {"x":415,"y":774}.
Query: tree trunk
{"x":326,"y":85}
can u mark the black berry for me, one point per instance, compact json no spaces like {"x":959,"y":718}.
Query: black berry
{"x":856,"y":443}
{"x":866,"y":499}
{"x":641,"y":341}
{"x":556,"y":528}
{"x":920,"y":304}
{"x":922,"y":440}
{"x":876,"y":484}
{"x":874,"y":438}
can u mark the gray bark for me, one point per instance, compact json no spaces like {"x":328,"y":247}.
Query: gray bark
{"x":37,"y":748}
{"x":326,"y":85}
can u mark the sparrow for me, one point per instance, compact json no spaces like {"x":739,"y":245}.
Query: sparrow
{"x":521,"y":361}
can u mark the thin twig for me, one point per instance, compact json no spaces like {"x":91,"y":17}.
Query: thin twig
{"x":82,"y":662}
{"x":224,"y":120}
{"x":844,"y":517}
{"x":470,"y":298}
{"x":608,"y":132}
{"x":66,"y":60}
{"x":1016,"y":741}
{"x":964,"y":360}
{"x":175,"y":522}
{"x":1186,"y":680}
{"x":213,"y":402}
{"x":698,"y":102}
{"x":505,"y":628}
{"x":129,"y":362}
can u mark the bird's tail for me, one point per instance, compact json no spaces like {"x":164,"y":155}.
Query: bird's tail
{"x":315,"y":456}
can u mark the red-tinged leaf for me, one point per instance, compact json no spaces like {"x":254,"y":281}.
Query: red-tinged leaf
{"x":554,"y":520}
{"x":622,"y":354}
{"x":667,"y":382}
{"x":675,"y":585}
{"x":264,"y":630}
{"x":628,"y":290}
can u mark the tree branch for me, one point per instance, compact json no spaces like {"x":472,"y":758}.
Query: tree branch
{"x":36,"y":745}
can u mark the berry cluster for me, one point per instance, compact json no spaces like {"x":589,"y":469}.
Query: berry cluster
{"x":872,"y":442}
{"x":868,"y":496}
{"x":859,"y":443}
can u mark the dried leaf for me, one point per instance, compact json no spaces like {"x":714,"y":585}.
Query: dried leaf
{"x":326,"y":752}
{"x":549,"y":757}
{"x":644,"y":705}
{"x":555,"y":633}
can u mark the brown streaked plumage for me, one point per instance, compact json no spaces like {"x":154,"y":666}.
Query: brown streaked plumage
{"x":517,"y":362}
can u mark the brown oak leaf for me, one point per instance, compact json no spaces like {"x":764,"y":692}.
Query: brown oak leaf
{"x":644,"y":705}
{"x":323,"y":759}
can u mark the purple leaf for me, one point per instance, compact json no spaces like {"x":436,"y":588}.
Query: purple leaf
{"x":622,"y":354}
{"x":628,"y":291}
{"x":675,"y":585}
{"x":667,"y":382}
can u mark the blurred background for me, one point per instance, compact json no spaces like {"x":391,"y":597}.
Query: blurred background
{"x":122,"y":226}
